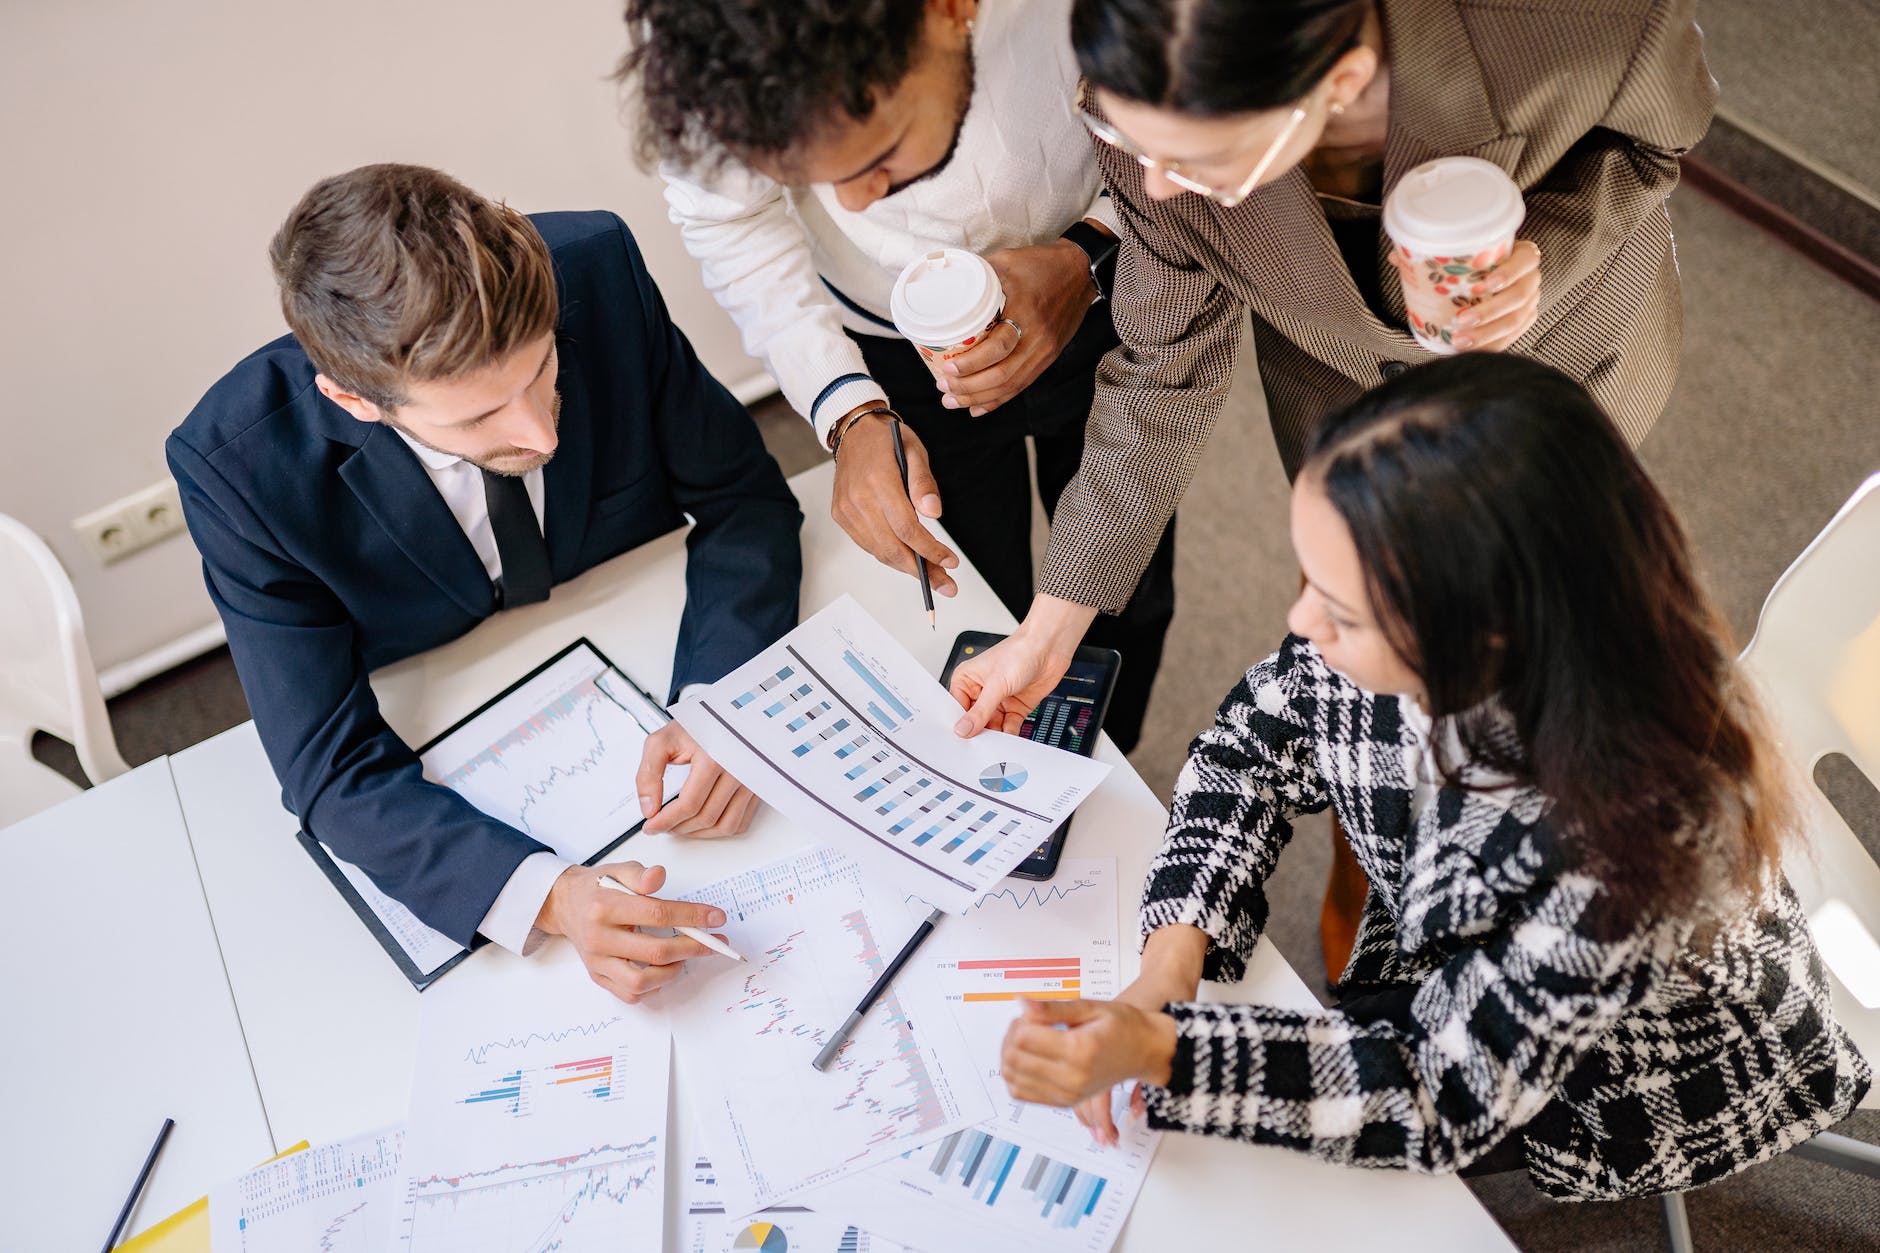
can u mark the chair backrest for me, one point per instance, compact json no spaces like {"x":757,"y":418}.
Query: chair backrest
{"x":47,"y":680}
{"x":1816,"y":659}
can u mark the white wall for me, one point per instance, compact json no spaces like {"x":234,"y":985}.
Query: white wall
{"x":147,"y":153}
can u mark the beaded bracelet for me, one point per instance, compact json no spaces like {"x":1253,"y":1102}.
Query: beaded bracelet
{"x":843,"y":426}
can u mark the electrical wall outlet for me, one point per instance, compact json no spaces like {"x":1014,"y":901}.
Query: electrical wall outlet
{"x":133,"y":523}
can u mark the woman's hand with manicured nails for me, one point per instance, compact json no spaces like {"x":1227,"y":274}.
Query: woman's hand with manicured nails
{"x":1060,"y":1052}
{"x":1510,"y":305}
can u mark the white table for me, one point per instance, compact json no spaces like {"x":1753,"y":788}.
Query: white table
{"x":332,"y":1025}
{"x":117,"y":1015}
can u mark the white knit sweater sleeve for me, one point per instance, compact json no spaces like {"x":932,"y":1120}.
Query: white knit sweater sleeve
{"x":757,"y":262}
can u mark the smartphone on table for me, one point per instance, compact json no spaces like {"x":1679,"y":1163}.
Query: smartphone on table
{"x":1068,"y":718}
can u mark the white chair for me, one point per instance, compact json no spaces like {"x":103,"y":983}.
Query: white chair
{"x":1815,"y":658}
{"x":47,"y":680}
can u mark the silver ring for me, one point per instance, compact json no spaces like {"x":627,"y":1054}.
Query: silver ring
{"x":1015,"y":326}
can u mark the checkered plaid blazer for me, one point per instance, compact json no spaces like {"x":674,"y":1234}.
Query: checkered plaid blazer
{"x":1587,"y":104}
{"x":1630,"y":1061}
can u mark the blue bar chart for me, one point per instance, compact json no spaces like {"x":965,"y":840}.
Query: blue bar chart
{"x":836,"y":724}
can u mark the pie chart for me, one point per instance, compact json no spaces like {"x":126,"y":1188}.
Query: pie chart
{"x":765,"y":1237}
{"x":1003,"y":776}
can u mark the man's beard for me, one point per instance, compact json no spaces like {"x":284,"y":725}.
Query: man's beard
{"x":965,"y":106}
{"x":483,"y":462}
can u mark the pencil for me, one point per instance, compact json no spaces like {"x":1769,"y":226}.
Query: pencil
{"x":849,"y":1024}
{"x":706,"y":938}
{"x":137,"y":1189}
{"x":920,"y":562}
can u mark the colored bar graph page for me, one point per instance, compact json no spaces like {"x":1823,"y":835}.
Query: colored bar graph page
{"x":837,"y":726}
{"x":337,"y":1198}
{"x":778,"y":1229}
{"x":538,"y":1118}
{"x":1030,"y":1177}
{"x":816,"y":930}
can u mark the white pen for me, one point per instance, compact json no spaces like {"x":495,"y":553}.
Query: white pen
{"x":706,"y":938}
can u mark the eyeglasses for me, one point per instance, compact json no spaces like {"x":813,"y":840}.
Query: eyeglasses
{"x":1172,"y":169}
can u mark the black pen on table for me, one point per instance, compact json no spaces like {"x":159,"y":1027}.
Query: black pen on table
{"x":920,"y":562}
{"x":849,"y":1024}
{"x":137,"y":1189}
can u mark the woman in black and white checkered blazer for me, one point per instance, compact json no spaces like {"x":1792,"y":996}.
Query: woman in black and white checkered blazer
{"x":1579,"y":953}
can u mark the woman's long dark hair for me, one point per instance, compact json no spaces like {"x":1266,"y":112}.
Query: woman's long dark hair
{"x":1212,"y":57}
{"x":1515,"y":549}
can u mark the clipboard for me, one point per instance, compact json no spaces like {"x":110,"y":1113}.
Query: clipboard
{"x":421,"y":954}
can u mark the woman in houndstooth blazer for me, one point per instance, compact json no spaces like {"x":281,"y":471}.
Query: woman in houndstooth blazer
{"x":1578,"y":954}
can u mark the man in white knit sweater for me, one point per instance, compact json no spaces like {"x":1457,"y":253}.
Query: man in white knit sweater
{"x":811,"y":151}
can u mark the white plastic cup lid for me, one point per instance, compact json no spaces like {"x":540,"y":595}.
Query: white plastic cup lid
{"x":1453,"y":206}
{"x":946,"y":297}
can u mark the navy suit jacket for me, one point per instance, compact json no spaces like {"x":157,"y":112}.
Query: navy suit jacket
{"x":329,"y":553}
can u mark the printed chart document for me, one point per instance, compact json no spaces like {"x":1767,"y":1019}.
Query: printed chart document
{"x":337,"y":1198}
{"x":1032,"y":1177}
{"x":553,"y":756}
{"x":779,"y":1229}
{"x":538,"y":1118}
{"x":817,"y":932}
{"x":837,"y":726}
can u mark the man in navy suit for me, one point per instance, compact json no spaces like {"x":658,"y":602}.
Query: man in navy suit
{"x":473,"y":406}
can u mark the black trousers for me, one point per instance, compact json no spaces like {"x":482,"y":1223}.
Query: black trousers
{"x":986,"y":490}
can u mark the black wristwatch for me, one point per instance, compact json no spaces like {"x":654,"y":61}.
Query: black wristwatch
{"x":1099,"y":250}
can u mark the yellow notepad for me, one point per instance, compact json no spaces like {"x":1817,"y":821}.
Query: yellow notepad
{"x":185,"y":1231}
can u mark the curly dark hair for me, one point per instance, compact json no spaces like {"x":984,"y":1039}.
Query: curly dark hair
{"x":752,"y":78}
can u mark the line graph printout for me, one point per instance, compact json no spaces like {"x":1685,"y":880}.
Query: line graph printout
{"x":779,"y":1229}
{"x":817,"y":931}
{"x":336,"y":1198}
{"x":538,"y":1118}
{"x":1031,"y":1176}
{"x":837,"y":726}
{"x":555,"y":758}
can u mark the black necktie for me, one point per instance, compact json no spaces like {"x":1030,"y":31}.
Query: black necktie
{"x":519,"y":544}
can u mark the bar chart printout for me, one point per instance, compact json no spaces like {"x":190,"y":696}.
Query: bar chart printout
{"x":817,"y":931}
{"x":538,"y":1117}
{"x":779,"y":1229}
{"x":837,"y":726}
{"x":334,"y":1198}
{"x":1031,"y":1176}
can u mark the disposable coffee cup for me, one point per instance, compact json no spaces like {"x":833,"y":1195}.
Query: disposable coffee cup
{"x":1452,"y":219}
{"x":944,"y":302}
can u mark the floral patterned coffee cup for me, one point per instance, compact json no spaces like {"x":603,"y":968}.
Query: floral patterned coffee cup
{"x":944,"y":302}
{"x":1450,"y":221}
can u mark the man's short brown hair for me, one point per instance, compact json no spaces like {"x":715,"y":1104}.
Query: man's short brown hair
{"x":394,"y":274}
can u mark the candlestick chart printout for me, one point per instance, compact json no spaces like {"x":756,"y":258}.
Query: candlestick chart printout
{"x":837,"y":726}
{"x":538,"y":1118}
{"x":335,"y":1198}
{"x":779,"y":1229}
{"x":817,"y":932}
{"x":1030,"y":1177}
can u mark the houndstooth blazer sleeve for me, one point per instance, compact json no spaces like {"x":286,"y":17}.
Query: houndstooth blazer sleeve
{"x":1489,"y":1035}
{"x":1601,"y":192}
{"x":1246,"y":777}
